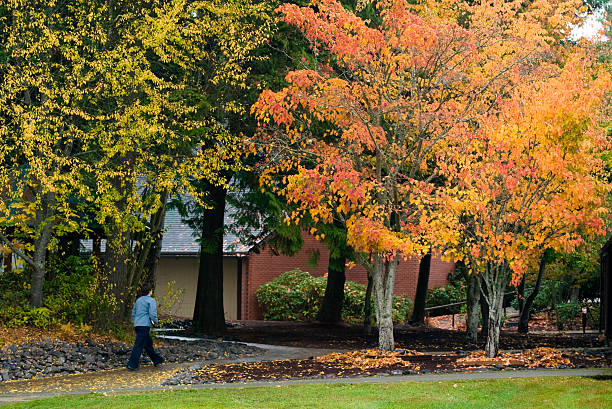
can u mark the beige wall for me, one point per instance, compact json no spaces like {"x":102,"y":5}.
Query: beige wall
{"x":184,"y":271}
{"x":230,"y":288}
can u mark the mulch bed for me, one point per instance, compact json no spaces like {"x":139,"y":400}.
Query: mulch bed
{"x":420,"y":351}
{"x":345,"y":336}
{"x":398,"y":362}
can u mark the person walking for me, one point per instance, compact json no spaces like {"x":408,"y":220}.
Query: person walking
{"x":144,"y":314}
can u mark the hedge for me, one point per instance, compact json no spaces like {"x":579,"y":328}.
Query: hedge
{"x":297,"y":296}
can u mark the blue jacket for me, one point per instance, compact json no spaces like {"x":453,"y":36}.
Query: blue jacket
{"x":144,"y":312}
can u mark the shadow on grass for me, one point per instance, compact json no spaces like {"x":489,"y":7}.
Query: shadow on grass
{"x":600,"y":377}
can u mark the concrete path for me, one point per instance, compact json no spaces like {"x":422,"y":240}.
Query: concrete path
{"x":122,"y":380}
{"x":149,"y":378}
{"x":456,"y":376}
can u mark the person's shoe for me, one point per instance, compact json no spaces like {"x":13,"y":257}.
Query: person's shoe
{"x":131,"y":368}
{"x":156,"y":364}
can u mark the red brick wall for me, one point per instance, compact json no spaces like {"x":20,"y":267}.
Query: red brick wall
{"x":265,"y":266}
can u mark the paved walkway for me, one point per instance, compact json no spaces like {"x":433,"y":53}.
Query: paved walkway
{"x":122,"y":380}
{"x":456,"y":376}
{"x":149,"y":378}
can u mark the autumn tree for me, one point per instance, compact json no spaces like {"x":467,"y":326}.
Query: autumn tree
{"x":529,"y":179}
{"x":390,"y":94}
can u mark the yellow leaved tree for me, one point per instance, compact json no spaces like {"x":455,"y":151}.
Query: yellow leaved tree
{"x":108,"y":107}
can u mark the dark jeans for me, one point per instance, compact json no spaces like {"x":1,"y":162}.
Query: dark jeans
{"x":143,"y":341}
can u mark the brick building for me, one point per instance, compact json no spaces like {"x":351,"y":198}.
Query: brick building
{"x":246,"y":270}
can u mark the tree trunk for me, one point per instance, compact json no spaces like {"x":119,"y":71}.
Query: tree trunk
{"x":117,"y":270}
{"x":208,"y":315}
{"x":574,"y":294}
{"x":473,"y":302}
{"x":96,"y":247}
{"x":45,"y":219}
{"x":367,"y":307}
{"x":520,"y":294}
{"x":493,"y":326}
{"x":418,"y":312}
{"x":523,"y":325}
{"x":38,"y":278}
{"x":8,"y":262}
{"x":494,"y":279}
{"x":484,"y":309}
{"x":384,"y":279}
{"x":331,"y":308}
{"x":118,"y":262}
{"x":149,"y":268}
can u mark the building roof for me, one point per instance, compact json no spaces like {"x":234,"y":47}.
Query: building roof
{"x":180,"y":239}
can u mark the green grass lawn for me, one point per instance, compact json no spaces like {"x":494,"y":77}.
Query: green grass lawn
{"x":529,"y":393}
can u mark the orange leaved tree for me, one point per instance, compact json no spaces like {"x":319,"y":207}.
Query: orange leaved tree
{"x":358,"y":131}
{"x":528,"y":179}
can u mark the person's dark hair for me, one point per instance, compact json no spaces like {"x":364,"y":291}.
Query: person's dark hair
{"x":144,"y":290}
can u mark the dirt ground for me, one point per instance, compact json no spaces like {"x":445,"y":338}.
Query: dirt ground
{"x":419,"y":351}
{"x":351,"y":337}
{"x":399,"y":362}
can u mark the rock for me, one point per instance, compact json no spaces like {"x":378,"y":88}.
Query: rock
{"x":58,"y":357}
